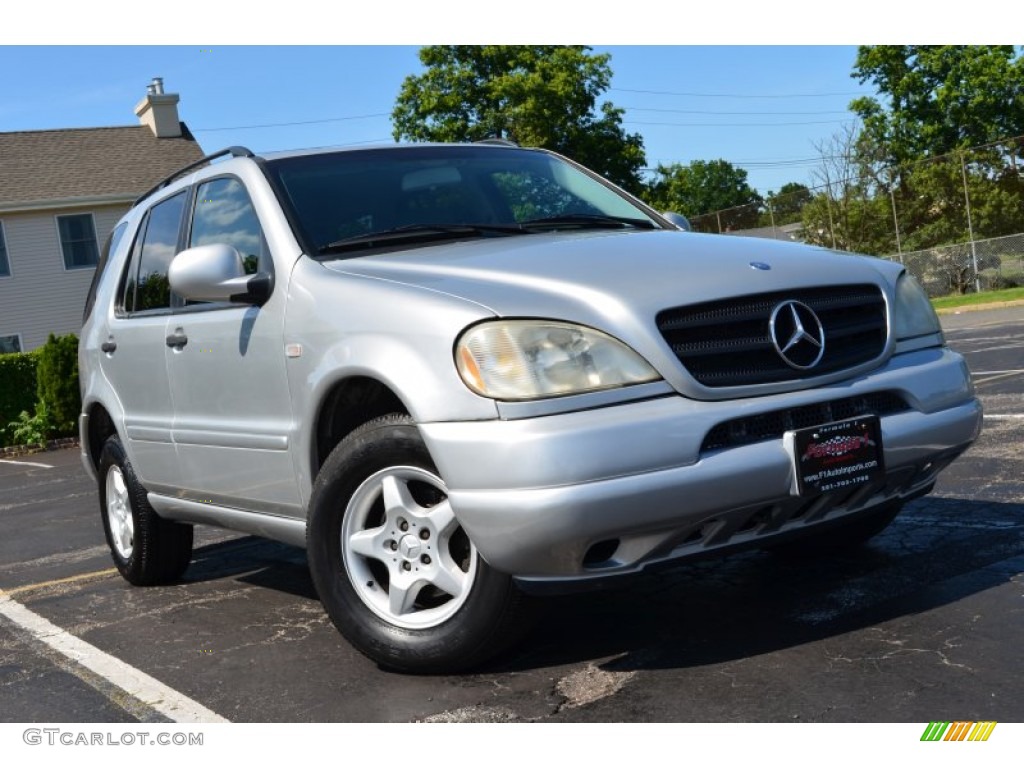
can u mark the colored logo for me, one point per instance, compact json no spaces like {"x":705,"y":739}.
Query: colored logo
{"x":959,"y":731}
{"x":837,"y":446}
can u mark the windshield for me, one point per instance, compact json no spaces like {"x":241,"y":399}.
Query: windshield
{"x":345,"y":200}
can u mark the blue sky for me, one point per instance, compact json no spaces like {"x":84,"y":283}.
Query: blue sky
{"x":759,"y":107}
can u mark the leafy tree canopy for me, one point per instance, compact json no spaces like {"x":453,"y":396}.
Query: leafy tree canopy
{"x":704,"y":186}
{"x":934,"y":99}
{"x":788,"y":202}
{"x":536,"y":95}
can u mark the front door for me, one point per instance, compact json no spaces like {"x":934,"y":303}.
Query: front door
{"x":227,"y":376}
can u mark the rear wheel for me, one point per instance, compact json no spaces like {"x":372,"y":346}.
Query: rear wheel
{"x":396,"y":572}
{"x":145,"y":548}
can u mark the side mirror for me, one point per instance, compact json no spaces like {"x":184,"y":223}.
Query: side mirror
{"x":680,"y":221}
{"x":216,"y":273}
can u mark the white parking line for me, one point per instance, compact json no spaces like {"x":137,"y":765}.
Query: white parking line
{"x":26,"y":463}
{"x":1004,"y":415}
{"x":132,"y":681}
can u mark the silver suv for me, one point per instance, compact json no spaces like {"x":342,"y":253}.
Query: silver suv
{"x":461,"y":375}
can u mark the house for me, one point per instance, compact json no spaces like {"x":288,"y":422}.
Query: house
{"x":61,"y":192}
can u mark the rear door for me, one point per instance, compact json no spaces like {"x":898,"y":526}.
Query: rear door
{"x":133,"y":356}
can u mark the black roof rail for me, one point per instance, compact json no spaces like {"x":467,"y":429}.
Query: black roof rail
{"x":233,"y":151}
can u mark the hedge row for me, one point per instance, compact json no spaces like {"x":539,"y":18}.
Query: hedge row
{"x":17,"y":385}
{"x":57,"y":382}
{"x":48,"y":377}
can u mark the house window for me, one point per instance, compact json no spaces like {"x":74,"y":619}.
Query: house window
{"x":10,"y":344}
{"x":78,"y":240}
{"x":5,"y":264}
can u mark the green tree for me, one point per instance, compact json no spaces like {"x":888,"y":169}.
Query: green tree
{"x":787,"y":203}
{"x":933,"y":104}
{"x":855,"y":221}
{"x":935,"y":99}
{"x":57,"y":383}
{"x":706,"y":187}
{"x":536,"y":95}
{"x":851,"y":212}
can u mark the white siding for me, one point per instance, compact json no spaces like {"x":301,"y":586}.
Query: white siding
{"x":41,"y":297}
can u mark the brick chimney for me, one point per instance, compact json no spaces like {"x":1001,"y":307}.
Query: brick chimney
{"x":159,"y":111}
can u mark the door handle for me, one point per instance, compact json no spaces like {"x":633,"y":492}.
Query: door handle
{"x":108,"y":346}
{"x":178,"y":339}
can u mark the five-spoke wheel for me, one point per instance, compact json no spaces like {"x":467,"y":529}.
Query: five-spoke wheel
{"x":395,"y":570}
{"x":145,"y":548}
{"x":119,"y":513}
{"x":403,"y":549}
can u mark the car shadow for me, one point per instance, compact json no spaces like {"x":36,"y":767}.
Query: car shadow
{"x":256,"y":561}
{"x":939,"y":550}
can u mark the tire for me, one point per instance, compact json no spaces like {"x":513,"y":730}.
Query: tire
{"x":842,"y":537}
{"x":145,"y":548}
{"x":395,"y":571}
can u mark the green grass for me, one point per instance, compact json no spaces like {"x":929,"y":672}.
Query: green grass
{"x":985,"y":297}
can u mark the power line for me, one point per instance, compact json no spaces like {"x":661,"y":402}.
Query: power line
{"x":735,"y":125}
{"x":300,"y":122}
{"x":743,"y":95}
{"x":712,"y":112}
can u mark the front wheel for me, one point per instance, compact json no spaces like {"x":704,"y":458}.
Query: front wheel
{"x":395,"y":570}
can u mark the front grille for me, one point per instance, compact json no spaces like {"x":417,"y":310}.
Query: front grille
{"x":728,"y":343}
{"x":772,"y":425}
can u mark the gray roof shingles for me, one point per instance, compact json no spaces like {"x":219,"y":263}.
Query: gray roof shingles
{"x":88,"y":162}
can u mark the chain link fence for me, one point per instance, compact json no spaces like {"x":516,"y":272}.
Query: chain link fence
{"x":981,"y":265}
{"x":953,"y":220}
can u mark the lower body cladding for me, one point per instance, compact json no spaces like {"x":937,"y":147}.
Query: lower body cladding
{"x":566,"y":501}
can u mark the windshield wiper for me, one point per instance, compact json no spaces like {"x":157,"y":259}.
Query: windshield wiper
{"x":419,"y":233}
{"x":588,"y":220}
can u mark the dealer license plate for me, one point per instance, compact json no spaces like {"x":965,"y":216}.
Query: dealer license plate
{"x":838,"y":456}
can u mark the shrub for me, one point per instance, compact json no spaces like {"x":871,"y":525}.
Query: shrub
{"x":31,"y":430}
{"x":17,"y":387}
{"x":57,"y":383}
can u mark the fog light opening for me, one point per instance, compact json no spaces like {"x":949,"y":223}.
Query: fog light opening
{"x":600,"y":553}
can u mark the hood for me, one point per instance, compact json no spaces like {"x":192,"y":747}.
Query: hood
{"x":616,"y":281}
{"x":567,"y":275}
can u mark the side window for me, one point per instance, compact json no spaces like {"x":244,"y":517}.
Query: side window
{"x":78,"y":240}
{"x":5,"y":264}
{"x":160,"y":243}
{"x":108,"y":248}
{"x":224,"y":214}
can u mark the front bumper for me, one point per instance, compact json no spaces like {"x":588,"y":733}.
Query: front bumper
{"x":585,"y":495}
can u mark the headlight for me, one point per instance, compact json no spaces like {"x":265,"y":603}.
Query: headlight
{"x":530,"y":359}
{"x":913,"y":314}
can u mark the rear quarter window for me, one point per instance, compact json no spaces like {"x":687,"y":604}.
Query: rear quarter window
{"x":113,"y":240}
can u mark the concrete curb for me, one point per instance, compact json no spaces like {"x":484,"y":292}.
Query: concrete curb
{"x":980,"y":307}
{"x":51,"y":445}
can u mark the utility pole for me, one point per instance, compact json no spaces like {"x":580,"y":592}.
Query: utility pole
{"x":970,"y":227}
{"x":895,"y":221}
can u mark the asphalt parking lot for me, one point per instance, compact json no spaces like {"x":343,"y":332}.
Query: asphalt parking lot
{"x":922,"y":625}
